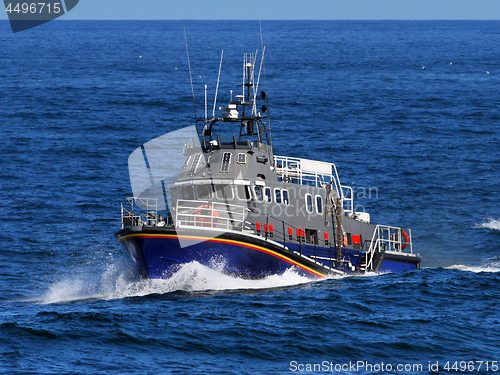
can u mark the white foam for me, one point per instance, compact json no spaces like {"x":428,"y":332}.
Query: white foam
{"x":117,"y":281}
{"x":489,"y":223}
{"x":493,"y":268}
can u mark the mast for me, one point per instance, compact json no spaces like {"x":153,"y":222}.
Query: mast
{"x":242,"y":109}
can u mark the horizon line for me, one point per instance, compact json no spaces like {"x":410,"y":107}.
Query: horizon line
{"x":281,"y":20}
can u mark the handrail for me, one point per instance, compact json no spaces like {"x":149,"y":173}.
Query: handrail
{"x":289,"y":168}
{"x":150,"y":205}
{"x":388,"y":238}
{"x":197,"y":213}
{"x":292,"y":168}
{"x":349,"y":199}
{"x":210,"y":214}
{"x":201,"y":213}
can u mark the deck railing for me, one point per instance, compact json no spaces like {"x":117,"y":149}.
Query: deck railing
{"x":195,"y":213}
{"x":209,"y":214}
{"x":316,"y":244}
{"x":313,"y":173}
{"x":146,"y":212}
{"x":387,"y":238}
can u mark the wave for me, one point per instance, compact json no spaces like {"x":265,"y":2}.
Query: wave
{"x":119,"y":281}
{"x":489,"y":223}
{"x":490,"y":268}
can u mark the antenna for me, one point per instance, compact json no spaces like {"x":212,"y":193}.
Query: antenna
{"x":258,"y":80}
{"x":261,"y":40}
{"x":265,"y":85}
{"x":205,"y":102}
{"x":244,"y":75}
{"x":218,"y":78}
{"x":190,"y":77}
{"x":252,"y":81}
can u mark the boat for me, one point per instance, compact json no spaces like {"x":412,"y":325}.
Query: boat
{"x":216,"y":193}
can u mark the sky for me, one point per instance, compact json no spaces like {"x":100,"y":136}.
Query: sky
{"x":284,"y":10}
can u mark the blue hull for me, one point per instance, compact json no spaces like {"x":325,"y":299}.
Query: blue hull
{"x":160,"y":253}
{"x":397,"y":263}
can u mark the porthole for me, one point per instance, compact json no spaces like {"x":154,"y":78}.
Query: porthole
{"x":309,"y":203}
{"x":319,"y":204}
{"x":267,"y":195}
{"x":259,"y":194}
{"x":285,"y":197}
{"x":277,"y":194}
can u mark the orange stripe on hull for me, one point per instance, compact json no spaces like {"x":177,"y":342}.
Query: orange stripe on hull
{"x":243,"y":244}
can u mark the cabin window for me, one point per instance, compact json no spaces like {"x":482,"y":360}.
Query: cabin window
{"x":204,"y":191}
{"x":319,"y":204}
{"x":309,"y":203}
{"x":224,"y":191}
{"x":243,"y":192}
{"x":267,"y":195}
{"x":277,"y":194}
{"x":259,"y":194}
{"x":285,"y":197}
{"x":187,"y":193}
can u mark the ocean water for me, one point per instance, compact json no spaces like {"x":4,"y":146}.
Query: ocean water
{"x":408,"y":111}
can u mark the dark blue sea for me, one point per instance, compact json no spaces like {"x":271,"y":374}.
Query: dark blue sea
{"x":408,"y":111}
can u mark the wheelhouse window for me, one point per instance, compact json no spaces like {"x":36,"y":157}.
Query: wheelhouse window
{"x":187,"y":193}
{"x":204,"y":191}
{"x":277,"y":194}
{"x":267,"y":195}
{"x":259,"y":193}
{"x":175,"y":194}
{"x":309,"y":203}
{"x":243,"y":192}
{"x":224,"y":191}
{"x":285,"y":197}
{"x":319,"y":204}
